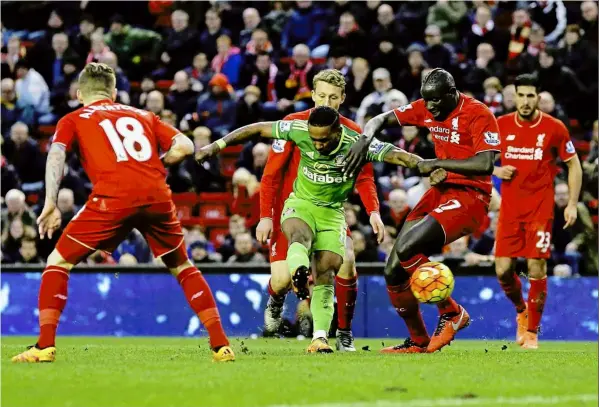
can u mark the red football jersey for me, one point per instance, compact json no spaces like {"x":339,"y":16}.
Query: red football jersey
{"x":281,"y":168}
{"x":119,"y":148}
{"x":533,"y":148}
{"x":470,"y":129}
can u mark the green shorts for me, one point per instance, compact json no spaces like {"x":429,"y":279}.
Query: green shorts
{"x":327,"y":224}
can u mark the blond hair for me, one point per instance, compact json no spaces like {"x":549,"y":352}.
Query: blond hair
{"x":332,"y":77}
{"x":97,"y":79}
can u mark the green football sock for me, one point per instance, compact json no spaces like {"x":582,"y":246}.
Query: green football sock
{"x":322,"y":309}
{"x":297,"y":256}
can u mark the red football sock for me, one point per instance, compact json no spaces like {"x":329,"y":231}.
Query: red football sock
{"x":407,"y":307}
{"x":275,"y":296}
{"x":536,"y":302}
{"x":347,"y":292}
{"x":411,"y":265}
{"x":448,"y":306}
{"x":51,"y":302}
{"x":512,"y":286}
{"x":202,"y":302}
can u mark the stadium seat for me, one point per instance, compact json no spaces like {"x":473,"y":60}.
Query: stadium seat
{"x":213,"y":210}
{"x":228,"y":160}
{"x":185,"y":202}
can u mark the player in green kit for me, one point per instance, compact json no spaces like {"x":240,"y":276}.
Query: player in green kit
{"x":313,"y":219}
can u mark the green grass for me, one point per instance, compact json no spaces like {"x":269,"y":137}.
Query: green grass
{"x":175,"y":372}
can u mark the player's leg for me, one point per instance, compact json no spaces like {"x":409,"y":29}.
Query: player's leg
{"x":278,"y":287}
{"x":537,"y":295}
{"x":346,"y":289}
{"x":162,"y":230}
{"x":512,"y":286}
{"x":327,"y":264}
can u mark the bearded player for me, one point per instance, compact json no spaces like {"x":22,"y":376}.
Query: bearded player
{"x":118,"y":146}
{"x":466,"y":139}
{"x":531,"y":143}
{"x":313,"y":219}
{"x":277,"y":183}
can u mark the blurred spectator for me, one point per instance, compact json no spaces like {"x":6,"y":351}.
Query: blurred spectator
{"x":66,"y":205}
{"x":551,"y":15}
{"x":385,"y":248}
{"x":485,"y":66}
{"x":359,"y":84}
{"x":352,"y":220}
{"x":382,"y":84}
{"x":181,"y":98}
{"x":249,"y":108}
{"x":293,"y":83}
{"x":12,"y":235}
{"x":244,"y":250}
{"x":216,"y":108}
{"x":409,"y":78}
{"x":206,"y":176}
{"x":305,"y":25}
{"x":412,"y":141}
{"x":136,"y":48}
{"x":520,"y":31}
{"x":251,"y":21}
{"x":60,"y":89}
{"x":338,"y":58}
{"x":147,"y":85}
{"x":387,"y":28}
{"x":246,"y":194}
{"x":98,"y":48}
{"x":122,"y":82}
{"x":348,"y":35}
{"x":228,"y":59}
{"x":213,"y":30}
{"x":388,"y":56}
{"x":484,"y":30}
{"x":589,"y":22}
{"x":10,"y":59}
{"x":259,"y":43}
{"x":547,"y":105}
{"x":11,"y":113}
{"x":581,"y":238}
{"x":198,"y":253}
{"x":52,"y":68}
{"x":579,"y":55}
{"x":28,"y":252}
{"x":437,"y":54}
{"x":82,"y":41}
{"x":155,"y":102}
{"x":447,"y":15}
{"x":69,"y":102}
{"x":24,"y":153}
{"x":200,"y":71}
{"x":181,"y":42}
{"x":32,"y":92}
{"x":493,"y":98}
{"x":528,"y":60}
{"x":363,"y":251}
{"x":416,"y":192}
{"x":262,"y":74}
{"x":396,"y":209}
{"x":10,"y":177}
{"x":16,"y":208}
{"x":276,"y":19}
{"x":508,"y":99}
{"x":236,"y":227}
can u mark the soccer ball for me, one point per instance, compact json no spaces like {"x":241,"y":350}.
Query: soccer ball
{"x":432,"y":282}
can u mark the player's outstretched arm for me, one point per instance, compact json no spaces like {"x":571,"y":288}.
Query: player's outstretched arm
{"x":242,"y":134}
{"x":480,"y":164}
{"x":397,"y":156}
{"x":182,"y":147}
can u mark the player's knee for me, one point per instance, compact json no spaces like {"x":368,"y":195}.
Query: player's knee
{"x":280,"y":279}
{"x":348,"y":268}
{"x":324,"y":277}
{"x":55,"y":259}
{"x":537,"y":268}
{"x":503,"y":267}
{"x":175,"y":271}
{"x":301,"y":236}
{"x":394,"y":274}
{"x":407,"y":247}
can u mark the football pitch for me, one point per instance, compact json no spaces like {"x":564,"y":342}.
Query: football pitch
{"x":97,"y":371}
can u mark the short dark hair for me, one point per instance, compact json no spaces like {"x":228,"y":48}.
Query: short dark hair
{"x":88,"y":17}
{"x":263,"y":54}
{"x":324,"y":116}
{"x":527,"y":79}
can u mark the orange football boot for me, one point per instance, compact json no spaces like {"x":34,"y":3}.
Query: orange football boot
{"x":447,"y":327}
{"x":522,"y":323}
{"x":531,"y":340}
{"x":409,"y":346}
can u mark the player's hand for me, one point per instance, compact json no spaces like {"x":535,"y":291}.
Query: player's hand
{"x":427,"y":166}
{"x":378,"y":227}
{"x":438,"y":176}
{"x":356,"y":157}
{"x":264,"y":230}
{"x":206,"y":152}
{"x":505,"y":173}
{"x":48,"y":221}
{"x":570,"y":215}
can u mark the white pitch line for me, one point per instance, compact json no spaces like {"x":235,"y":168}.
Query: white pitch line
{"x":458,"y":402}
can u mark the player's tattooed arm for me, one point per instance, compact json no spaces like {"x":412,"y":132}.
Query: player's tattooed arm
{"x":397,"y":156}
{"x":242,"y":134}
{"x":182,"y":147}
{"x":481,"y":164}
{"x":54,"y":172}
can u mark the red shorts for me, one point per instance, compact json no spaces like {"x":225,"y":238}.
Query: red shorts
{"x":531,"y":240}
{"x":278,"y":244}
{"x":459,"y":210}
{"x":94,"y":229}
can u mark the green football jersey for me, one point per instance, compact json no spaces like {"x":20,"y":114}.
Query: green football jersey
{"x":320,"y":178}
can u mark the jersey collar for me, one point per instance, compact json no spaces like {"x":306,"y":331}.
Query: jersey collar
{"x":528,"y":124}
{"x":341,"y":139}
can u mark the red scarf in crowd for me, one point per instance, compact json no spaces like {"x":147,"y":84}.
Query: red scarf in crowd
{"x":494,"y":103}
{"x":219,"y":60}
{"x":481,"y":31}
{"x":519,"y":39}
{"x":270,"y":87}
{"x":343,"y":33}
{"x":252,"y":49}
{"x":299,"y":75}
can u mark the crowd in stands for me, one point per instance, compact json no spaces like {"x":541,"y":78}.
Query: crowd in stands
{"x":210,"y":67}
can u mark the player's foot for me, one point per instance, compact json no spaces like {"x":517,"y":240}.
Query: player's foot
{"x":319,"y":345}
{"x":530,"y":340}
{"x":299,"y":282}
{"x":273,"y":316}
{"x":35,"y":355}
{"x":224,"y":354}
{"x":409,"y":346}
{"x":447,"y":327}
{"x":345,"y":341}
{"x":522,"y":323}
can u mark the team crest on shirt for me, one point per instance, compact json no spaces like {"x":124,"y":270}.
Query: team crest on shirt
{"x":375,"y":147}
{"x":454,"y":123}
{"x":284,"y":125}
{"x":339,"y":160}
{"x":540,"y":139}
{"x":491,"y":138}
{"x":278,"y":146}
{"x":570,"y":148}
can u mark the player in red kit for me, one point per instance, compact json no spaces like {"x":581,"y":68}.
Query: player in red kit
{"x":531,"y":143}
{"x":277,"y":183}
{"x":466,"y":139}
{"x":119,"y":149}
